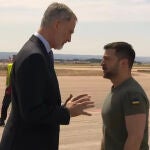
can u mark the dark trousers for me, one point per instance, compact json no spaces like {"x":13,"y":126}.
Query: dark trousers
{"x":5,"y":105}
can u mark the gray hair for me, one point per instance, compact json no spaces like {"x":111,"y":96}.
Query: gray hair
{"x":57,"y":11}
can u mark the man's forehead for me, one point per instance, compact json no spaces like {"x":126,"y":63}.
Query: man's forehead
{"x":109,"y":52}
{"x":71,"y":25}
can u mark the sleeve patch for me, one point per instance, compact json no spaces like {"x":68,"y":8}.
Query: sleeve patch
{"x":135,"y":101}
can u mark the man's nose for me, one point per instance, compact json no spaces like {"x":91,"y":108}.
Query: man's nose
{"x":102,"y":62}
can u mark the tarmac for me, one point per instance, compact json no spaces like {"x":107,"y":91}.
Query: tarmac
{"x":83,"y":132}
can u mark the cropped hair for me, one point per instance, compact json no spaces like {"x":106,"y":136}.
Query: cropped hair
{"x":122,"y":50}
{"x":57,"y":11}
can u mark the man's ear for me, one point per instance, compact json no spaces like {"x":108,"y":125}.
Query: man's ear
{"x":124,"y":62}
{"x":56,"y":24}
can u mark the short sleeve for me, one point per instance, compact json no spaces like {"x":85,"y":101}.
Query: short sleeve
{"x":134,"y":103}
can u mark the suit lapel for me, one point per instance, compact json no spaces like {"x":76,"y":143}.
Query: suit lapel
{"x":50,"y":63}
{"x":42,"y":49}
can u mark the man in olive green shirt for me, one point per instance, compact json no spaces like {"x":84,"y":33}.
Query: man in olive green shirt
{"x":126,"y":108}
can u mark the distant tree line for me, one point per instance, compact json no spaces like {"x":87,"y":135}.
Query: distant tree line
{"x":92,"y":60}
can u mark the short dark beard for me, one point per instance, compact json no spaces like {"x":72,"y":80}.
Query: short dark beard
{"x":108,"y":75}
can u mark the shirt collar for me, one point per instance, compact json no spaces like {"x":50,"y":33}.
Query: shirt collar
{"x":44,"y":41}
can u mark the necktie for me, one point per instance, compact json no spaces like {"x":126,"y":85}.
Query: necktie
{"x":51,"y":57}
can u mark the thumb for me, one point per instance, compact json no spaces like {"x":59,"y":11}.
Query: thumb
{"x":70,"y":96}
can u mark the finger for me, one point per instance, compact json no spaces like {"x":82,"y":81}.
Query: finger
{"x":85,"y":99}
{"x":89,"y":106}
{"x":79,"y":96}
{"x":69,"y":98}
{"x":85,"y":105}
{"x":86,"y":113}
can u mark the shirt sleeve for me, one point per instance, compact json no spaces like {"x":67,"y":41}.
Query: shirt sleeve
{"x":134,"y":103}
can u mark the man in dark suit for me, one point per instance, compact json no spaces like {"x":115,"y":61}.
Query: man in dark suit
{"x":37,"y":112}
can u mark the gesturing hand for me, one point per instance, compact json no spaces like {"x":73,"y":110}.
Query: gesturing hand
{"x":77,"y":105}
{"x":69,"y":98}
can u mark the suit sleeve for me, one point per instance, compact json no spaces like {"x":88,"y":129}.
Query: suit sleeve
{"x":31,"y":79}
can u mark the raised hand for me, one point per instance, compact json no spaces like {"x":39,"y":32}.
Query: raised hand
{"x":78,"y":104}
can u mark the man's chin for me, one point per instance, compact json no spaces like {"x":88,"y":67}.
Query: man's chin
{"x":59,"y":48}
{"x":106,"y":76}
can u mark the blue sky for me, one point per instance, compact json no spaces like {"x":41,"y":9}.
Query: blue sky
{"x":99,"y":22}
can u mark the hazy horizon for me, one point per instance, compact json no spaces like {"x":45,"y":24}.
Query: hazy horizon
{"x":54,"y":51}
{"x":7,"y":55}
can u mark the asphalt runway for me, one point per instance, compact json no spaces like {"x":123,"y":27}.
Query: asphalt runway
{"x":84,"y":132}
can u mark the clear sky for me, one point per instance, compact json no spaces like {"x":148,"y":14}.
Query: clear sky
{"x":99,"y":22}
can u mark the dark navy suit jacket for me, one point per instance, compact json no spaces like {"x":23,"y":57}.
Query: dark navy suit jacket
{"x":36,"y":112}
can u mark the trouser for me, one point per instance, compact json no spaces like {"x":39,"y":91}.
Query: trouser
{"x":5,"y":105}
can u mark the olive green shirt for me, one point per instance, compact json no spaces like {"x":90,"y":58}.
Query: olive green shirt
{"x":126,"y":99}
